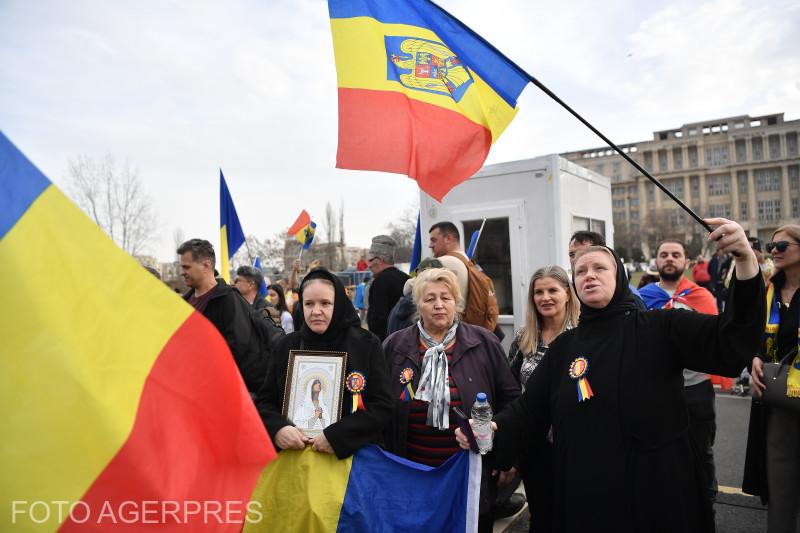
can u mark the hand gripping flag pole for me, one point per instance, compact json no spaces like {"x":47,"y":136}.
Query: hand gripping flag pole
{"x":585,"y":122}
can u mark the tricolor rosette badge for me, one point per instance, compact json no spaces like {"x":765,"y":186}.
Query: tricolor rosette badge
{"x":405,"y":378}
{"x":577,"y":371}
{"x":355,"y":383}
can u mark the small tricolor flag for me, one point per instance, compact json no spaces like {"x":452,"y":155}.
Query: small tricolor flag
{"x":303,"y":229}
{"x":370,"y":491}
{"x":115,"y":394}
{"x":420,"y":94}
{"x":231,"y":235}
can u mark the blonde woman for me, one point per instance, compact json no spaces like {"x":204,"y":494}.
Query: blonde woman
{"x":552,"y":309}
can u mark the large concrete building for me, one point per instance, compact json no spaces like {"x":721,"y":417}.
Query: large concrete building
{"x":744,"y":168}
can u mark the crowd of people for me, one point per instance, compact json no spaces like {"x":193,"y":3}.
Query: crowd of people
{"x":603,"y":404}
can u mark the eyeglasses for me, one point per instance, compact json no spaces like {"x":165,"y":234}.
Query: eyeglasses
{"x":371,"y":259}
{"x":781,"y":246}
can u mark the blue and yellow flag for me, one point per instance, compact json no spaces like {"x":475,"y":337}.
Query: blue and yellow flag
{"x":303,"y":229}
{"x":374,"y":490}
{"x":231,"y":236}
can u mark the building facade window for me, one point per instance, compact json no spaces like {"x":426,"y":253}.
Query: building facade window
{"x":796,"y":207}
{"x":769,"y":210}
{"x":618,"y":203}
{"x":717,"y":156}
{"x":693,"y":161}
{"x":743,"y":210}
{"x":694,"y":181}
{"x":767,"y":179}
{"x":616,"y":171}
{"x":741,"y":151}
{"x":757,"y":148}
{"x":675,"y":186}
{"x":791,"y":144}
{"x":741,"y":177}
{"x":634,"y":215}
{"x":677,"y":158}
{"x":677,"y":217}
{"x":662,"y":161}
{"x":651,"y":194}
{"x":794,"y":177}
{"x":633,"y":201}
{"x":718,"y":185}
{"x":774,"y":147}
{"x":719,"y":210}
{"x":648,"y":161}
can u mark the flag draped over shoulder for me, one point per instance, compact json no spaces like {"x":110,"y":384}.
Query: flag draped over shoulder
{"x":419,"y":93}
{"x":112,"y":388}
{"x":311,"y":492}
{"x":231,"y":236}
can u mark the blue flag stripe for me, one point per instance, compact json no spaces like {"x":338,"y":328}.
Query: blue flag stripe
{"x":229,"y":218}
{"x":506,"y":79}
{"x":20,"y":184}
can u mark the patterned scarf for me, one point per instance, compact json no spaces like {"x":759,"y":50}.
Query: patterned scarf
{"x":770,"y":343}
{"x":434,"y":386}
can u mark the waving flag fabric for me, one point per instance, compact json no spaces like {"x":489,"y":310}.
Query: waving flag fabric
{"x":262,"y":291}
{"x":303,"y":229}
{"x":372,"y":491}
{"x":419,"y":93}
{"x":112,"y":388}
{"x":231,"y":235}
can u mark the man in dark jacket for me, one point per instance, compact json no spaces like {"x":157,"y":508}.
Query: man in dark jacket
{"x":224,"y":307}
{"x":387,"y":286}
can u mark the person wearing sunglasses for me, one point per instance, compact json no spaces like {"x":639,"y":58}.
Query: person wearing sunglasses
{"x":772,"y":464}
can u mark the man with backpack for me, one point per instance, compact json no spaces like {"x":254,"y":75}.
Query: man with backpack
{"x":480,"y":302}
{"x":246,"y":335}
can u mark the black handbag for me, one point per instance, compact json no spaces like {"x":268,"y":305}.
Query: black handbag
{"x":775,"y":376}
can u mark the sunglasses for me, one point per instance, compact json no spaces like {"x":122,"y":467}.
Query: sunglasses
{"x":781,"y":246}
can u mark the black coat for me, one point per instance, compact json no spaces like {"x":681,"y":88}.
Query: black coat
{"x":364,"y":354}
{"x":755,"y":464}
{"x":386,"y":289}
{"x":623,"y":458}
{"x":229,"y":312}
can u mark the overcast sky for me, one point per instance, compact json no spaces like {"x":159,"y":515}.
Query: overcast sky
{"x":180,"y":89}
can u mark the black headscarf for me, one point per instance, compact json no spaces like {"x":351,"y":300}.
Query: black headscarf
{"x":622,"y":300}
{"x":344,"y":316}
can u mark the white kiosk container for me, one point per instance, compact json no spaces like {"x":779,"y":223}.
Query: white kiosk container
{"x":532,"y":207}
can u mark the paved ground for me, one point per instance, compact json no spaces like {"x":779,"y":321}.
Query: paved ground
{"x":735,"y":512}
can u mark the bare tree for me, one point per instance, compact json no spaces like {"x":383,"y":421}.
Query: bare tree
{"x":330,"y":223}
{"x":178,"y":238}
{"x":403,"y":230}
{"x":115,"y":200}
{"x":269,"y":250}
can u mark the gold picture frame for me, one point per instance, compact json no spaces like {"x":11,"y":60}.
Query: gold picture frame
{"x":312,"y":398}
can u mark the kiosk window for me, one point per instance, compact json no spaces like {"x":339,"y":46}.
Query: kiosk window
{"x":588,"y":224}
{"x":494,"y":257}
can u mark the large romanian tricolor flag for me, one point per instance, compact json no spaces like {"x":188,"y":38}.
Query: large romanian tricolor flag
{"x":120,"y":406}
{"x":419,"y":93}
{"x":313,"y":492}
{"x":231,"y":236}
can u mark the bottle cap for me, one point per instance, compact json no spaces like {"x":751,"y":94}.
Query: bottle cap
{"x":481,"y":397}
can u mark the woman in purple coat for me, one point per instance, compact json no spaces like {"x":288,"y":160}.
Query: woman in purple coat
{"x":470,"y":360}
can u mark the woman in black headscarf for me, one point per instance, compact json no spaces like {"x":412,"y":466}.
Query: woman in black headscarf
{"x":330,"y":323}
{"x":612,"y":388}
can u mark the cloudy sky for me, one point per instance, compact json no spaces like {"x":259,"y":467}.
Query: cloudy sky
{"x":180,"y":89}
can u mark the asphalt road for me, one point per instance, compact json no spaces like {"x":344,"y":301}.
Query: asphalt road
{"x":735,"y":512}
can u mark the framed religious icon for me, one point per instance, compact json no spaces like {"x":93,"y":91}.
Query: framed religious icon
{"x":313,"y":394}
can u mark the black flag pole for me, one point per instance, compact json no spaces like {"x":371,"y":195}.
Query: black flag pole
{"x":585,"y":122}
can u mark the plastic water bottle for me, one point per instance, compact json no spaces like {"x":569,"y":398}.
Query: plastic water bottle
{"x":482,"y":423}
